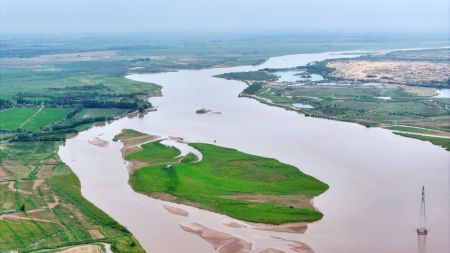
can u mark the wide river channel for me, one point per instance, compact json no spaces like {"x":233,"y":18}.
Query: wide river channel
{"x":375,"y":177}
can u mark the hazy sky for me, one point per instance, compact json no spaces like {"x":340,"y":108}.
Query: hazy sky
{"x":22,"y":16}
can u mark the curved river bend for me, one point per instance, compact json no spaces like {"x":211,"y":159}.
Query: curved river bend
{"x":374,"y":176}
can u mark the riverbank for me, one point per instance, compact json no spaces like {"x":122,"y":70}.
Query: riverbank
{"x":372,"y":104}
{"x":41,"y":195}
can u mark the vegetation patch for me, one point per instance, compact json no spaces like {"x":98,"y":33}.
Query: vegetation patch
{"x":154,"y":153}
{"x":202,"y":111}
{"x":127,"y":134}
{"x":410,"y":129}
{"x":389,"y":105}
{"x":224,"y":181}
{"x":443,"y":142}
{"x":249,"y":76}
{"x":45,"y":117}
{"x":42,"y":207}
{"x":253,"y":88}
{"x":11,"y":119}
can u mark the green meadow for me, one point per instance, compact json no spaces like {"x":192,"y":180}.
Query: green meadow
{"x":11,"y":119}
{"x":443,"y":142}
{"x":223,"y":177}
{"x":30,"y":119}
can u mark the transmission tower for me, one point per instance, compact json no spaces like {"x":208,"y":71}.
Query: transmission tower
{"x":422,"y":228}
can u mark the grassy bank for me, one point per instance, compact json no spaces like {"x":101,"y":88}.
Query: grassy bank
{"x":392,"y":106}
{"x":228,"y":181}
{"x":443,"y":142}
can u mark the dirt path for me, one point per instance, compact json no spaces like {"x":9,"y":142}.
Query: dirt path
{"x":32,"y":116}
{"x":13,"y":189}
{"x":18,"y":217}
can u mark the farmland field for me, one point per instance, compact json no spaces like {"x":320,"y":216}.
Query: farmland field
{"x":42,"y":207}
{"x":12,"y":119}
{"x":30,"y":118}
{"x":45,"y":117}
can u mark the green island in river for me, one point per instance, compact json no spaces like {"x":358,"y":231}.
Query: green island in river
{"x":243,"y":186}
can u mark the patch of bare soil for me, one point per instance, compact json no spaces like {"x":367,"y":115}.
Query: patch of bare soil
{"x":162,"y":196}
{"x":95,"y":234}
{"x":221,"y":242}
{"x":270,"y":250}
{"x":130,"y":149}
{"x":99,"y":142}
{"x":37,"y":184}
{"x":296,"y":200}
{"x":82,"y":249}
{"x":431,"y":123}
{"x":132,"y":143}
{"x":132,"y":140}
{"x":300,"y":247}
{"x":19,"y":216}
{"x":176,"y":210}
{"x":135,"y":165}
{"x":388,"y":71}
{"x":233,"y":224}
{"x":293,"y":227}
{"x":7,"y":205}
{"x":45,"y":171}
{"x":3,"y":174}
{"x":54,"y":203}
{"x":420,"y":91}
{"x":297,"y":246}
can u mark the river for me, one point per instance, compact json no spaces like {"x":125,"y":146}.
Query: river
{"x":375,"y":177}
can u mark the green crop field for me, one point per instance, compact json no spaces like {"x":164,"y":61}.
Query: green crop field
{"x":12,"y":119}
{"x":54,"y":213}
{"x":46,"y":117}
{"x":223,"y":177}
{"x":30,"y":118}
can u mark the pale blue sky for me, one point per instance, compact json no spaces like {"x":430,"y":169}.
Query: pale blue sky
{"x":22,"y":16}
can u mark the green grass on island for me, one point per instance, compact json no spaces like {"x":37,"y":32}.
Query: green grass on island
{"x":154,"y":153}
{"x":410,"y":129}
{"x":443,"y":142}
{"x":244,"y":186}
{"x":249,"y":76}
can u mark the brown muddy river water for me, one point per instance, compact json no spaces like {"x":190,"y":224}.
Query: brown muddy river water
{"x":375,"y":177}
